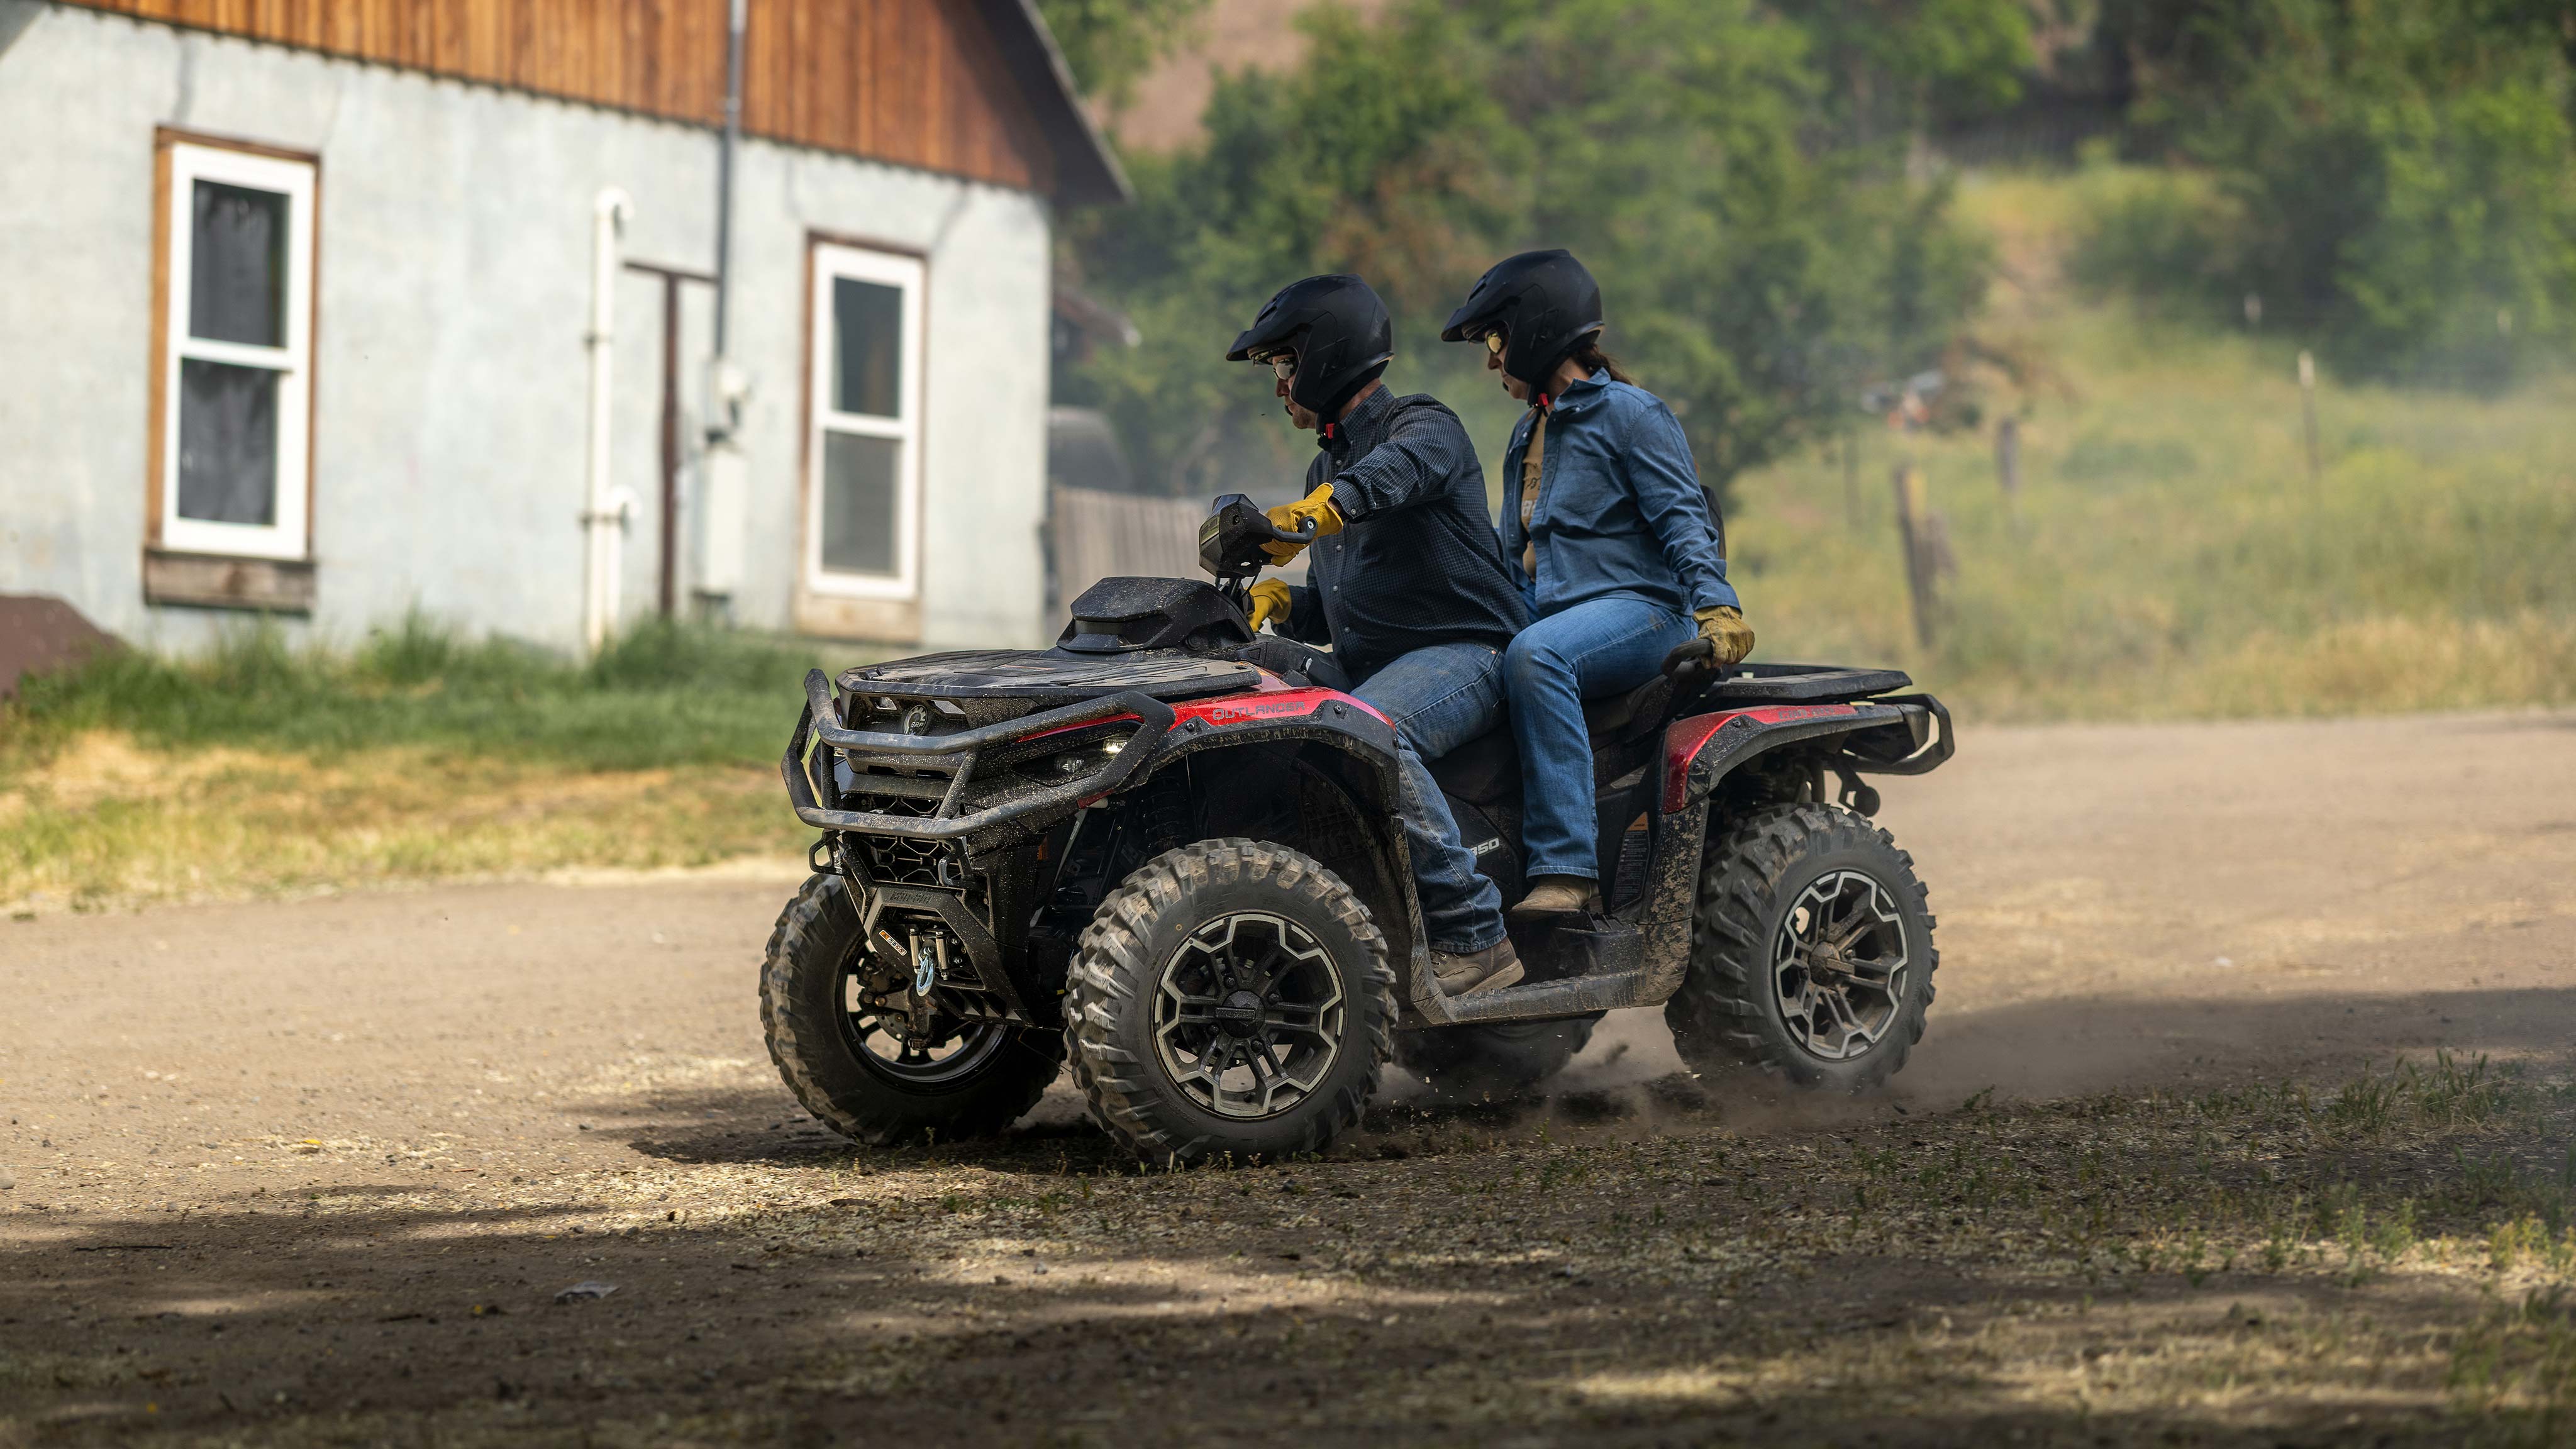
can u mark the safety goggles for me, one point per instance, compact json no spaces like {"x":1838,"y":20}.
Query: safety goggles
{"x":1495,"y":341}
{"x":1284,"y":364}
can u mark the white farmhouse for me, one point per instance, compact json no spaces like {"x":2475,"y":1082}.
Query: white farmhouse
{"x":294,"y":300}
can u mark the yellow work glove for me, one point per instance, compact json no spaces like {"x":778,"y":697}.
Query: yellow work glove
{"x":1270,"y":600}
{"x":1729,"y":637}
{"x":1292,"y":517}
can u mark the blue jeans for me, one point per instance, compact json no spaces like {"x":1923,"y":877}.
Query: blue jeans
{"x":1598,"y":647}
{"x":1438,"y":699}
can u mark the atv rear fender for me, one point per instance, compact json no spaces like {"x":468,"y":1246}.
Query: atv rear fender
{"x":1899,"y":735}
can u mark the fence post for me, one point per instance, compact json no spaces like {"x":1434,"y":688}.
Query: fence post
{"x":1851,"y":478}
{"x":2308,"y":413}
{"x":1913,"y":533}
{"x":2008,"y":463}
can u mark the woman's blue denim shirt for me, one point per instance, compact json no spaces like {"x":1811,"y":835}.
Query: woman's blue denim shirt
{"x":1620,"y":512}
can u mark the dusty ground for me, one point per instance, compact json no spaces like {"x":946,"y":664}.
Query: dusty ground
{"x":314,"y":1172}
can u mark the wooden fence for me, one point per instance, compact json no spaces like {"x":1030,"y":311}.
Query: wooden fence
{"x":1095,"y":535}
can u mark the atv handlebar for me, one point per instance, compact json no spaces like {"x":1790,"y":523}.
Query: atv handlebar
{"x":1691,"y":665}
{"x":1236,"y":537}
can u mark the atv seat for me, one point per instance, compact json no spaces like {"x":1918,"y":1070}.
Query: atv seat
{"x":1487,"y":768}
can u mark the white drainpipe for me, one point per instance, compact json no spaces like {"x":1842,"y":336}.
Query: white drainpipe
{"x":607,"y":510}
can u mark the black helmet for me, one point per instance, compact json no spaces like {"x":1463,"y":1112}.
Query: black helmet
{"x":1337,"y":327}
{"x":1545,"y":303}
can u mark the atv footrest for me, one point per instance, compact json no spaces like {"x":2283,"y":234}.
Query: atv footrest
{"x":1576,"y":962}
{"x":1548,"y":999}
{"x":1563,"y":945}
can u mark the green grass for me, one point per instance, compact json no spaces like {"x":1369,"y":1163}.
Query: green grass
{"x":661,"y":695}
{"x":256,"y":769}
{"x":2169,"y":554}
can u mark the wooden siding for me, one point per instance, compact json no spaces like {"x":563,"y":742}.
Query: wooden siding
{"x":916,"y":82}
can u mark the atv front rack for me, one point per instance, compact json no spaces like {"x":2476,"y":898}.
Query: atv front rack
{"x":954,"y":754}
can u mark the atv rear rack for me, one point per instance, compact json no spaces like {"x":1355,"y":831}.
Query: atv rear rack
{"x":956,"y":754}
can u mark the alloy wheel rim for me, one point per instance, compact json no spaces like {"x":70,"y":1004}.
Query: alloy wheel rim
{"x":1247,"y":1016}
{"x":1838,"y":965}
{"x":899,"y":1045}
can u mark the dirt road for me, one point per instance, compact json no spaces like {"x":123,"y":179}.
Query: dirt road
{"x":315,"y":1171}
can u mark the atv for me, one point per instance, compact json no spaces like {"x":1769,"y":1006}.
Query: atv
{"x":1184,"y":872}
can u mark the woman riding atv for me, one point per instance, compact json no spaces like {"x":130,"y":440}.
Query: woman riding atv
{"x":1618,"y":550}
{"x":1408,"y":586}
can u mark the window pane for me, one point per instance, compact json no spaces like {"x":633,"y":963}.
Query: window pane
{"x":237,"y":266}
{"x":227,"y":443}
{"x":867,"y":348}
{"x":858,"y":503}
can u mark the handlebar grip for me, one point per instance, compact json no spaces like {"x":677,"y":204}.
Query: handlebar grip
{"x":1281,"y":535}
{"x":1694,"y":663}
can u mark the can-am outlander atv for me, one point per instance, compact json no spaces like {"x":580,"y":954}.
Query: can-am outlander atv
{"x":1185,"y":874}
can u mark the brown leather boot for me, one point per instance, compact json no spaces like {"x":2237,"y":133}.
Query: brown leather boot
{"x":1554,"y":895}
{"x":1491,"y":969}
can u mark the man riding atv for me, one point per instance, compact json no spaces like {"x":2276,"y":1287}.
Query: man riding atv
{"x":1408,"y":585}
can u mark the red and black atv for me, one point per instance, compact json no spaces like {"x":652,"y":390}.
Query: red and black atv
{"x":1185,"y":874}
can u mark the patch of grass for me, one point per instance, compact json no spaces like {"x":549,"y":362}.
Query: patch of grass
{"x":2168,"y":554}
{"x":659,"y":696}
{"x":109,"y":823}
{"x":257,"y":768}
{"x":2513,"y":1374}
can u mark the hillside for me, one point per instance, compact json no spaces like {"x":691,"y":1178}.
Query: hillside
{"x":2168,"y":554}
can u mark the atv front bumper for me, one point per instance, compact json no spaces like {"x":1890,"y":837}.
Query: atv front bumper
{"x":943,"y":766}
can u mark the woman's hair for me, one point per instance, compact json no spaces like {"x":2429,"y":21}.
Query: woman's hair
{"x":1591,"y":358}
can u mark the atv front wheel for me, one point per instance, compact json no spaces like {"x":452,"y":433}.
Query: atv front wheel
{"x":1231,"y":996}
{"x":861,"y":1062}
{"x":1500,"y":1059}
{"x":1811,"y":952}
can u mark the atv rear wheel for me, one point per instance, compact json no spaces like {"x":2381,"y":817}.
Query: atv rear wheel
{"x":874,"y":1073}
{"x":1811,"y":952}
{"x":1231,"y":996}
{"x":1500,"y":1059}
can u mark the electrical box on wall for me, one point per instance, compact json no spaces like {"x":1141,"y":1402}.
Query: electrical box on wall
{"x":723,"y":483}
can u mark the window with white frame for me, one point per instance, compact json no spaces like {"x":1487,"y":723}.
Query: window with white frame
{"x":862,"y":525}
{"x":237,"y":380}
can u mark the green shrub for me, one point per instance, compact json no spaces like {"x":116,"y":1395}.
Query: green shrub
{"x":2396,"y":182}
{"x":2167,"y":236}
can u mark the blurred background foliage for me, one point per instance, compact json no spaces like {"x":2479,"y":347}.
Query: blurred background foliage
{"x":1748,"y":207}
{"x":2396,"y":181}
{"x":1109,"y":44}
{"x":1764,"y":191}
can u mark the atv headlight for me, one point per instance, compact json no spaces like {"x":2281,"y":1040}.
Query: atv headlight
{"x":1079,"y":753}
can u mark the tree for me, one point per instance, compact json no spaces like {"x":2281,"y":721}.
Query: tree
{"x":1111,"y":44}
{"x":2397,"y":181}
{"x":1900,"y":67}
{"x":1755,"y":275}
